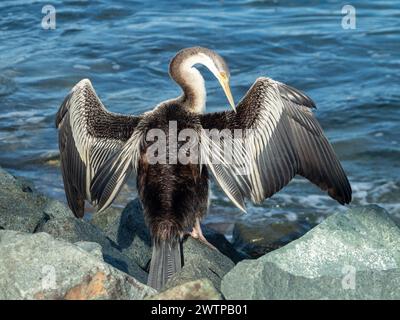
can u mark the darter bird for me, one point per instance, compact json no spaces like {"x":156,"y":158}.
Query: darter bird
{"x":282,"y":138}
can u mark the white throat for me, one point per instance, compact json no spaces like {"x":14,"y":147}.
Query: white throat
{"x":197,"y":84}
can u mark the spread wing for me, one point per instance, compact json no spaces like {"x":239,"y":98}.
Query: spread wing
{"x":93,"y":140}
{"x":282,"y":138}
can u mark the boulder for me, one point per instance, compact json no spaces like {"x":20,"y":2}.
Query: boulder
{"x":33,"y":268}
{"x":219,"y":241}
{"x":258,"y":238}
{"x":201,"y":289}
{"x":128,"y":229}
{"x":55,"y":209}
{"x":23,"y":209}
{"x":91,"y":247}
{"x":201,"y":261}
{"x":352,"y":255}
{"x":75,"y":230}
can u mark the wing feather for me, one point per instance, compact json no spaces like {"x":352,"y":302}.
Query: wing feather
{"x":89,"y":136}
{"x":284,"y":139}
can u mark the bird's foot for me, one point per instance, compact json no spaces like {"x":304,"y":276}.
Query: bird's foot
{"x":197,"y":233}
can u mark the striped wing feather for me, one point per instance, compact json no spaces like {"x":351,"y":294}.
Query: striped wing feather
{"x":89,"y":136}
{"x":284,"y":140}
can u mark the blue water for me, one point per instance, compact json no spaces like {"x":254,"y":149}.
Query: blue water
{"x":124,"y":48}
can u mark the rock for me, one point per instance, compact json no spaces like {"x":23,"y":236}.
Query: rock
{"x":352,"y":255}
{"x":105,"y":219}
{"x":55,"y":209}
{"x":74,"y":230}
{"x":18,"y":205}
{"x":91,"y":247}
{"x":201,"y":289}
{"x":33,"y":268}
{"x":219,"y":241}
{"x":21,"y":208}
{"x":258,"y":238}
{"x":128,"y":229}
{"x":200,"y":262}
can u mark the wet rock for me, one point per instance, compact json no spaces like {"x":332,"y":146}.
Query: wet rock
{"x":74,"y":230}
{"x":201,"y":289}
{"x":258,"y":238}
{"x":23,"y":209}
{"x":201,"y":261}
{"x":33,"y":268}
{"x":352,"y":255}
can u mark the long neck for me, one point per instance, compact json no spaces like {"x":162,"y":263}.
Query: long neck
{"x":191,"y":81}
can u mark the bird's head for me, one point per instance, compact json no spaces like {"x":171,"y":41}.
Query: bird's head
{"x":189,"y":57}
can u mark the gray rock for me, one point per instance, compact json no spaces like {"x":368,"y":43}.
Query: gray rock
{"x":33,"y":268}
{"x":258,"y":238}
{"x":201,"y":262}
{"x":219,"y":241}
{"x":23,"y":209}
{"x":74,"y":230}
{"x":91,"y":247}
{"x":348,"y":256}
{"x":201,"y":289}
{"x":128,"y":229}
{"x":18,"y":205}
{"x":55,"y":209}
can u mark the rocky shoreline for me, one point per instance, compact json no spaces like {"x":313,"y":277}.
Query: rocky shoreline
{"x":46,"y":253}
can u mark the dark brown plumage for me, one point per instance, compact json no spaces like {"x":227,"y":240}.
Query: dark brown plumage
{"x":171,"y":205}
{"x":172,"y":195}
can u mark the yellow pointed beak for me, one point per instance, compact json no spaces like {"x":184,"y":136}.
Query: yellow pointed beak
{"x":224,"y":81}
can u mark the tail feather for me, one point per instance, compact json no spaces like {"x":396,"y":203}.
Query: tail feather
{"x":166,"y":260}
